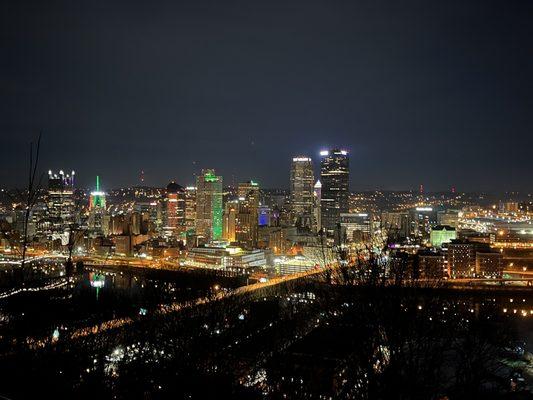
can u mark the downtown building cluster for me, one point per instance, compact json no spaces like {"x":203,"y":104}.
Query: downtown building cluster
{"x":249,"y":228}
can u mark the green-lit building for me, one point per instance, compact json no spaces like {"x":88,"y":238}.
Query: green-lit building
{"x":97,"y":198}
{"x":209,"y":206}
{"x":442,"y":234}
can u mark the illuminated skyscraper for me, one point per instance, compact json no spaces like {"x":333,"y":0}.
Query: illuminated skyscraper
{"x":302,"y":178}
{"x":97,"y":208}
{"x":175,"y":208}
{"x":190,"y":207}
{"x":334,"y":176}
{"x":317,"y":209}
{"x":230,"y":220}
{"x":97,"y":197}
{"x":209,"y":205}
{"x":247,"y":219}
{"x":60,"y":201}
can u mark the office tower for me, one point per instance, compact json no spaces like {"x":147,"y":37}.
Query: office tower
{"x":97,"y":208}
{"x":317,"y":210}
{"x":97,"y":197}
{"x":264,"y":215}
{"x":395,"y":224}
{"x":461,"y":258}
{"x":190,"y":207}
{"x":334,"y":176}
{"x":421,"y":219}
{"x":247,"y":220}
{"x":175,"y":208}
{"x":60,"y":201}
{"x":301,"y":194}
{"x":354,"y":228}
{"x":230,"y":219}
{"x":209,"y":206}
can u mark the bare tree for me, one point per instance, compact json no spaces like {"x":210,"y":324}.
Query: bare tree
{"x":31,"y":195}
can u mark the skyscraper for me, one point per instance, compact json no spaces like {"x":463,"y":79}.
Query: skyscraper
{"x":302,"y":178}
{"x":230,"y":220}
{"x":190,"y":207}
{"x":60,"y":201}
{"x":317,"y":209}
{"x":334,"y":176}
{"x":97,"y":208}
{"x":209,"y":205}
{"x":97,"y":197}
{"x":247,"y":219}
{"x":175,"y":208}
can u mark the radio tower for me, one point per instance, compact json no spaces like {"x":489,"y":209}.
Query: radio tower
{"x":142,"y":177}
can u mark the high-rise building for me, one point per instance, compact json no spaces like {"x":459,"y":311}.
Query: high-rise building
{"x":317,"y":211}
{"x":302,"y":197}
{"x":354,"y":228}
{"x":190,"y":207}
{"x":60,"y":202}
{"x":247,"y":219}
{"x":97,"y":209}
{"x":230,"y":220}
{"x":335,"y":192}
{"x":209,"y":206}
{"x":461,"y":258}
{"x":175,"y":208}
{"x":97,"y":197}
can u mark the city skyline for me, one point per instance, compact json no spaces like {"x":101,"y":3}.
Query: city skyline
{"x":245,"y":88}
{"x":266,"y":200}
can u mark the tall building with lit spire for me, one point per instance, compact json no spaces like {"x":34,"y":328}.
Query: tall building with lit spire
{"x":97,"y":197}
{"x":97,"y":210}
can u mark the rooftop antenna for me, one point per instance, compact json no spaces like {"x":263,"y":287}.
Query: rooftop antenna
{"x":97,"y":183}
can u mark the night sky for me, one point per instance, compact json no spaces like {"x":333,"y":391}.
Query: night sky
{"x":432,"y":92}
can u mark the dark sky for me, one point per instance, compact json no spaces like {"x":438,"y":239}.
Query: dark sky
{"x":432,"y":92}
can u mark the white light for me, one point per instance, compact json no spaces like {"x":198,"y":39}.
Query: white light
{"x":301,"y":159}
{"x":424,"y":209}
{"x":344,"y":152}
{"x":324,"y":153}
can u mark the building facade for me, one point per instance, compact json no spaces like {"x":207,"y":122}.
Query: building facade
{"x":335,"y":192}
{"x":209,"y":206}
{"x":301,"y":191}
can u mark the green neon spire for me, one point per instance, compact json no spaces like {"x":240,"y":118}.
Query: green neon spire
{"x":97,"y":183}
